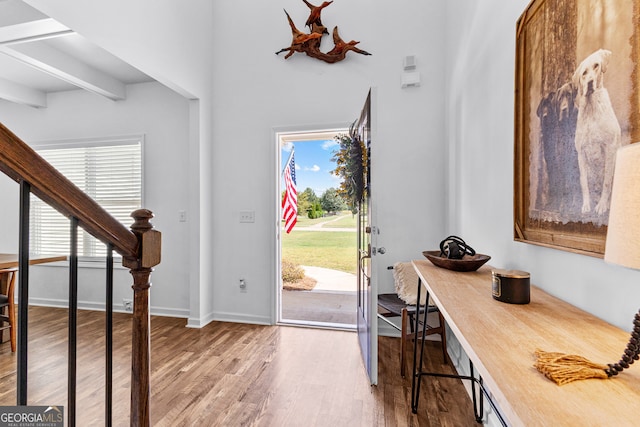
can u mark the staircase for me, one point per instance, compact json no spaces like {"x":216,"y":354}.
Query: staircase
{"x":140,"y":250}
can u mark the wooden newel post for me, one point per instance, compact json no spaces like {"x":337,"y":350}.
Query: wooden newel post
{"x":149,"y":248}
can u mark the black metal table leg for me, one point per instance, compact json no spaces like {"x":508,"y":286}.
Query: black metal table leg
{"x":477,"y":412}
{"x":418,"y":373}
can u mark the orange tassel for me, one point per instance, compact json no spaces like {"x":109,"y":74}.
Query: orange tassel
{"x":565,"y":368}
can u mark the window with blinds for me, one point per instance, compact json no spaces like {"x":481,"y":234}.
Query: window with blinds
{"x":108,"y":170}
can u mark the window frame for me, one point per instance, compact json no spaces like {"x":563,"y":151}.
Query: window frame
{"x":129,"y":139}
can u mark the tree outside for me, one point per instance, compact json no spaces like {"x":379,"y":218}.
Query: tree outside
{"x":332,"y":202}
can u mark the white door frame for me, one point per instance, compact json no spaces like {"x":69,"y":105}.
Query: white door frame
{"x":279,"y":136}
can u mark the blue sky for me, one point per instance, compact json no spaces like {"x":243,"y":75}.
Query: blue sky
{"x":313,"y":165}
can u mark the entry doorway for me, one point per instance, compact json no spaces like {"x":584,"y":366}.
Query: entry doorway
{"x":317,"y":258}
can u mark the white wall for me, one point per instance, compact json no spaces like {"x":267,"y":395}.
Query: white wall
{"x":231,"y":163}
{"x":480,"y":111}
{"x":255,"y":91}
{"x":480,"y":45}
{"x":198,"y":45}
{"x":171,"y":42}
{"x":163,"y":117}
{"x":164,"y":38}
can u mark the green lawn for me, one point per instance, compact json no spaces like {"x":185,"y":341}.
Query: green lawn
{"x":331,"y":249}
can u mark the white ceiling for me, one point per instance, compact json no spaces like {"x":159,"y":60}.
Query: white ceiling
{"x":39,"y":55}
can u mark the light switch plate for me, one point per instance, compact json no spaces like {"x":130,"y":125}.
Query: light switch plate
{"x":247,"y":216}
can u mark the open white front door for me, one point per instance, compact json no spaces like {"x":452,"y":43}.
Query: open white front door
{"x":367,"y":236}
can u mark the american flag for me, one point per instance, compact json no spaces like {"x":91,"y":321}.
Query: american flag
{"x":290,"y":200}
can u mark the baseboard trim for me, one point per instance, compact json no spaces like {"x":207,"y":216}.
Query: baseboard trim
{"x":241,"y":318}
{"x":117,"y":308}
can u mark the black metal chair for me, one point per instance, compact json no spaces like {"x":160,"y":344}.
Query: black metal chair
{"x":393,"y":306}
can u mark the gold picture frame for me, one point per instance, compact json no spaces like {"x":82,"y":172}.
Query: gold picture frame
{"x":576,"y":101}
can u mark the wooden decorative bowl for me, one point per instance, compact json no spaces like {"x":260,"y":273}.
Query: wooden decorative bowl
{"x":467,"y":263}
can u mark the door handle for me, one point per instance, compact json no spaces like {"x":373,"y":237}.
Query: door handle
{"x":363,"y":256}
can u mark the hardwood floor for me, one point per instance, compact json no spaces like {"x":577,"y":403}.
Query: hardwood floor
{"x":228,"y":374}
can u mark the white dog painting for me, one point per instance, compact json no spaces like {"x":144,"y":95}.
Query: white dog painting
{"x":598,"y":134}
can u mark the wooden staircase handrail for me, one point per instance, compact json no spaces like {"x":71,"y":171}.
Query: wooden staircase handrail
{"x":140,"y":247}
{"x":21,"y":163}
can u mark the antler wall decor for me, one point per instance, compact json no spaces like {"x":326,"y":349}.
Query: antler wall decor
{"x":310,"y":43}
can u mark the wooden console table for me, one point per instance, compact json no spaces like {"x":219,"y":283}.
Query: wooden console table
{"x":11,"y":260}
{"x":500,"y":340}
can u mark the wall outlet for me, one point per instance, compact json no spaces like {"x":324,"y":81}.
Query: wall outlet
{"x":127,"y":304}
{"x":243,"y":285}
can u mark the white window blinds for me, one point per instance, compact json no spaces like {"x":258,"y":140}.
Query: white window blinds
{"x":108,"y":170}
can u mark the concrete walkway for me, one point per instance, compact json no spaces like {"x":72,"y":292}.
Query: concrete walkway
{"x":328,"y":307}
{"x":322,"y":226}
{"x":332,"y":301}
{"x":331,"y":280}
